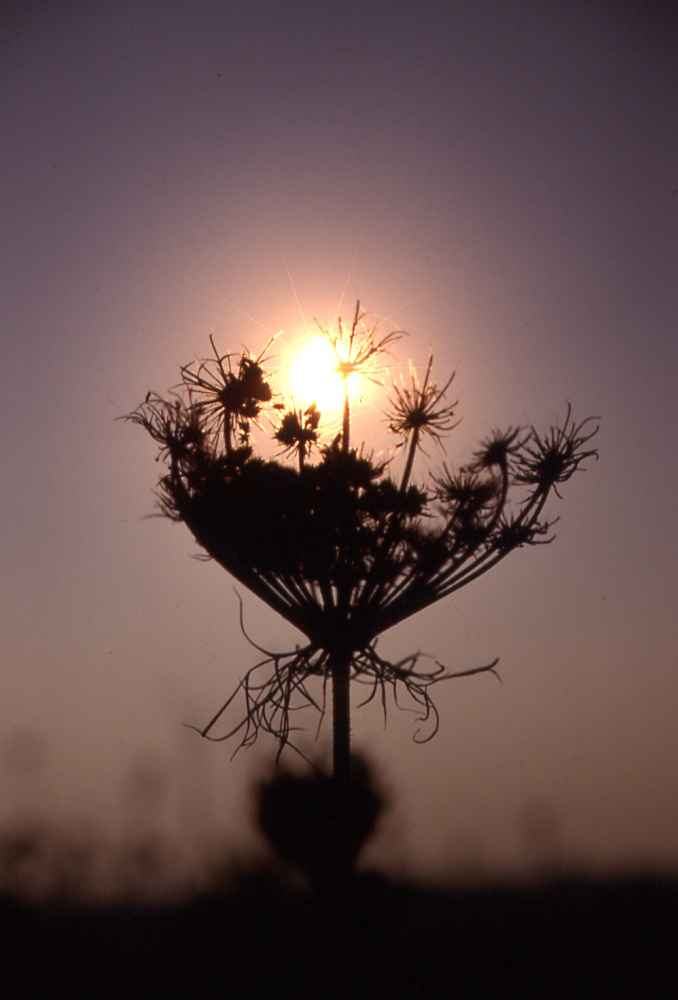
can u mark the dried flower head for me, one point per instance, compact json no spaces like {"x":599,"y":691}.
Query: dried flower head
{"x":416,"y":410}
{"x":228,"y":400}
{"x":333,"y":542}
{"x":547,"y":460}
{"x":358,"y":347}
{"x":298,"y":431}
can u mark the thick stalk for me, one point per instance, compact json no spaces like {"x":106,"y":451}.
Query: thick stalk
{"x":346,"y":422}
{"x":340,"y":665}
{"x":410,"y":459}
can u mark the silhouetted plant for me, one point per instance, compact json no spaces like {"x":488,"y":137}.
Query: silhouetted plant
{"x":337,"y":545}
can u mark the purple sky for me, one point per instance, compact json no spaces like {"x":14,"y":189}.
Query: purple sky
{"x":503,"y":177}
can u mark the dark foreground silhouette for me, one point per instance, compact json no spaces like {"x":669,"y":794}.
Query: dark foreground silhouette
{"x":265,"y":936}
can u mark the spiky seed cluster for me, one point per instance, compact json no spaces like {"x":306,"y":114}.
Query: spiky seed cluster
{"x":358,"y":347}
{"x":417,"y":410}
{"x":497,"y":451}
{"x":298,"y":432}
{"x":228,"y":401}
{"x":336,"y":545}
{"x":546,"y":460}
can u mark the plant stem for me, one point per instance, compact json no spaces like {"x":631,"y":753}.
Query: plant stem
{"x":410,"y":459}
{"x":340,"y":665}
{"x":346,"y":424}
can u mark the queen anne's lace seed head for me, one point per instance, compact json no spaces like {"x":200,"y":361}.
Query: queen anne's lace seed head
{"x":331,"y":540}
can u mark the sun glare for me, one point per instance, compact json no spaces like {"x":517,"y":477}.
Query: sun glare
{"x":313,"y":377}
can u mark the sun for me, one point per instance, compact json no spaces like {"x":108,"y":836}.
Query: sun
{"x":313,"y":377}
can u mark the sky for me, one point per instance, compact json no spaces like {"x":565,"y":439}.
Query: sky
{"x":497,"y":178}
